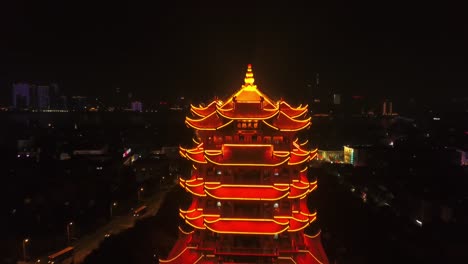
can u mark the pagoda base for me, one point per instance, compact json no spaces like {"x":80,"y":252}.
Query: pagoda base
{"x":188,"y":250}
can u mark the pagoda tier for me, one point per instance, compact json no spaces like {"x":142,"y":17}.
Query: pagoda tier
{"x":249,"y":103}
{"x":293,"y":112}
{"x":207,"y":110}
{"x":262,"y":155}
{"x":276,"y":119}
{"x":183,"y":253}
{"x":282,"y":122}
{"x":200,"y":218}
{"x":249,"y":184}
{"x":250,"y":110}
{"x":209,"y":122}
{"x":272,"y":192}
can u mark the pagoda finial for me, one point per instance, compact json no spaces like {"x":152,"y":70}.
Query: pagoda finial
{"x":249,"y":79}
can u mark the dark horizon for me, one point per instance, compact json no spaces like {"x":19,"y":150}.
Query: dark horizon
{"x":393,"y":51}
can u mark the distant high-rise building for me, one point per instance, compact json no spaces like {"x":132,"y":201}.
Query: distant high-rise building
{"x":337,"y":99}
{"x":43,"y":97}
{"x":317,"y":81}
{"x":79,"y":103}
{"x":120,"y":100}
{"x":61,"y":103}
{"x":57,"y":99}
{"x":21,"y":95}
{"x":387,"y":108}
{"x":137,"y":106}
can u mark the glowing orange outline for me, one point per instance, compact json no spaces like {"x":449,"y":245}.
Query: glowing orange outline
{"x":194,"y":193}
{"x":270,"y":125}
{"x":187,"y":211}
{"x":199,"y":128}
{"x":185,"y":232}
{"x":282,"y":155}
{"x":246,"y":199}
{"x":274,"y":186}
{"x":226,"y":124}
{"x":195,"y":112}
{"x":203,"y":108}
{"x":247,"y":186}
{"x":247,"y":164}
{"x":194,"y":160}
{"x":288,"y":258}
{"x":178,"y":255}
{"x":301,"y":187}
{"x":300,"y":107}
{"x":243,"y":118}
{"x":195,"y":151}
{"x":307,"y":251}
{"x":314,"y":236}
{"x":194,"y":226}
{"x":251,"y":233}
{"x":196,"y":261}
{"x":246,"y":220}
{"x":299,"y":162}
{"x":301,"y":154}
{"x":208,"y":183}
{"x":247,"y":145}
{"x":301,"y":228}
{"x":213,"y":152}
{"x":189,"y":122}
{"x":291,"y":218}
{"x":250,"y":88}
{"x":194,"y":185}
{"x":182,"y":153}
{"x":306,"y":122}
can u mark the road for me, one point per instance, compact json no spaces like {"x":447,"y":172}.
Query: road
{"x":86,"y":244}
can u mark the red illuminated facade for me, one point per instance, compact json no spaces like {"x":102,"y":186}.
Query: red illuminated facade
{"x":249,"y":184}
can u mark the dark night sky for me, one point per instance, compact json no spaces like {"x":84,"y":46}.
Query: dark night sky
{"x":377,"y":49}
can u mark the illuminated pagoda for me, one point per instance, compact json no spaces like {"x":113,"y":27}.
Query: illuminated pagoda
{"x":249,"y":184}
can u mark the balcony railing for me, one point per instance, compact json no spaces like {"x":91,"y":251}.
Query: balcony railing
{"x":261,"y":180}
{"x":247,"y":251}
{"x":276,"y":146}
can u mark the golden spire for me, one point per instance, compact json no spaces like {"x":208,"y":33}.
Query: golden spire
{"x":249,"y":79}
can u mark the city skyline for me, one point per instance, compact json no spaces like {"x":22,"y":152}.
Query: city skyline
{"x":85,"y":186}
{"x":393,"y":51}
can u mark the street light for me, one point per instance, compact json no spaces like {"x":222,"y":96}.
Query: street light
{"x":69,"y":226}
{"x":139,"y":193}
{"x":114,"y":204}
{"x":25,"y":241}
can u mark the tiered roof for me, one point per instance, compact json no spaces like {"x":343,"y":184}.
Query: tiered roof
{"x":249,"y":103}
{"x":262,"y":155}
{"x":196,"y":216}
{"x":272,"y":192}
{"x":251,"y":109}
